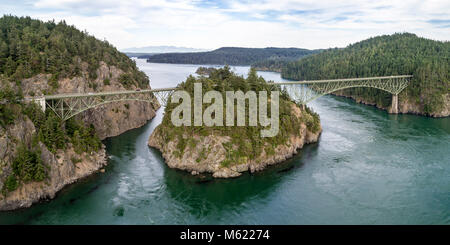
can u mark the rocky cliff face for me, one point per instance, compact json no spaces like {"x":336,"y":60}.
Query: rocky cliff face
{"x":110,"y":119}
{"x":405,"y":106}
{"x":66,"y":166}
{"x":213,"y":152}
{"x":62,"y":168}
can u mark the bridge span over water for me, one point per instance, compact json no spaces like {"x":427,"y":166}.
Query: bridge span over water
{"x":66,"y":106}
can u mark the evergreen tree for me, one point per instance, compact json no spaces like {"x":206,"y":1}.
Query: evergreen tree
{"x":398,"y":54}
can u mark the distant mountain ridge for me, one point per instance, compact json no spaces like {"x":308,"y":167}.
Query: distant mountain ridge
{"x":161,"y":49}
{"x":230,"y":56}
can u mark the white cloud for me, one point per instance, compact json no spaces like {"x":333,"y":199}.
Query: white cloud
{"x":285,"y":23}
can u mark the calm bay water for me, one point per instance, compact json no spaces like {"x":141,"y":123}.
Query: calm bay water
{"x":369,"y":167}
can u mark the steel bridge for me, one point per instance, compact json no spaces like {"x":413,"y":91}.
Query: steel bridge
{"x":68,"y":105}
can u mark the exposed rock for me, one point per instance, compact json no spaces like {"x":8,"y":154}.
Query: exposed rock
{"x":114,"y":119}
{"x":20,"y":131}
{"x":404,"y":105}
{"x":109,"y":120}
{"x":62,"y":171}
{"x":216,"y":153}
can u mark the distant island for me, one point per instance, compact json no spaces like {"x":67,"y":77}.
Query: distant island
{"x":427,"y":60}
{"x":144,"y":52}
{"x":162,"y":49}
{"x":231,"y":56}
{"x":274,"y":64}
{"x":205,"y":71}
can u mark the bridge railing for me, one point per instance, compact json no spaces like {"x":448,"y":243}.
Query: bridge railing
{"x":304,"y":92}
{"x":68,"y":105}
{"x":344,"y":80}
{"x":122,"y":92}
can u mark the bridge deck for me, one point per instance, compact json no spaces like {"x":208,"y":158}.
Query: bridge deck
{"x":343,"y":80}
{"x":71,"y":104}
{"x":77,"y":95}
{"x":122,"y":92}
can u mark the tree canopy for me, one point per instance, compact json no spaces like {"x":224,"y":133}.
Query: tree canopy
{"x":399,"y":54}
{"x":29,"y":47}
{"x":229,"y":56}
{"x":247,"y":139}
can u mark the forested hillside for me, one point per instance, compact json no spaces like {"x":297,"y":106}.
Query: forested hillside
{"x":37,"y":147}
{"x":427,"y":60}
{"x":273,"y":64}
{"x":230,"y":56}
{"x":29,"y":47}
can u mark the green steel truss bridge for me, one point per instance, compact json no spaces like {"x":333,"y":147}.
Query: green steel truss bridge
{"x":66,"y":106}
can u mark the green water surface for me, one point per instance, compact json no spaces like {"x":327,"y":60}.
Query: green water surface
{"x":368,"y":167}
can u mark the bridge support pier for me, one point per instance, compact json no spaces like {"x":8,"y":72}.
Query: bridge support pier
{"x":41,"y":103}
{"x":394,"y":105}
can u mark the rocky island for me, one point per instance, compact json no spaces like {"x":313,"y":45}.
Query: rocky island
{"x":228,"y":151}
{"x":40,"y":153}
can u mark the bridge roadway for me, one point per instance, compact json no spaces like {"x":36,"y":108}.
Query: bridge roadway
{"x":121,"y":92}
{"x":68,"y":105}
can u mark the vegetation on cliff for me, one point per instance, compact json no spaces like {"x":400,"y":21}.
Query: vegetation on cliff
{"x":55,"y":135}
{"x":399,"y":54}
{"x":246,"y":142}
{"x":9,"y":101}
{"x":229,"y":56}
{"x":29,"y":47}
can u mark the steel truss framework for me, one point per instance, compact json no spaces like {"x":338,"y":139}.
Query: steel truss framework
{"x":68,"y":105}
{"x":304,"y":92}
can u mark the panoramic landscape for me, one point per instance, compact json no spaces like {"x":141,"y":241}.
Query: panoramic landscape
{"x":205,"y":124}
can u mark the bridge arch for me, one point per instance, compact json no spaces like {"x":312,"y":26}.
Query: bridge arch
{"x":354,"y":86}
{"x":66,"y":115}
{"x":68,"y":105}
{"x":308,"y":91}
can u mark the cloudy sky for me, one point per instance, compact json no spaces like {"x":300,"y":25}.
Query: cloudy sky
{"x":213,"y":24}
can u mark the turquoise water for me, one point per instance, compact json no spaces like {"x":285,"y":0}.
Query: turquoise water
{"x":368,"y":167}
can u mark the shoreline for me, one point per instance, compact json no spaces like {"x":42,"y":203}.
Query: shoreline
{"x":209,"y":152}
{"x":236,"y":171}
{"x":63,"y":173}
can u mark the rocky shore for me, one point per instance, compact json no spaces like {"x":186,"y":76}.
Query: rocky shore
{"x":405,"y":106}
{"x":110,"y":119}
{"x":67,"y":166}
{"x":209,"y":152}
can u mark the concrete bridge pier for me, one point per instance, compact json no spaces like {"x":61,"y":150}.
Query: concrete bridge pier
{"x":41,"y":102}
{"x":394,"y":105}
